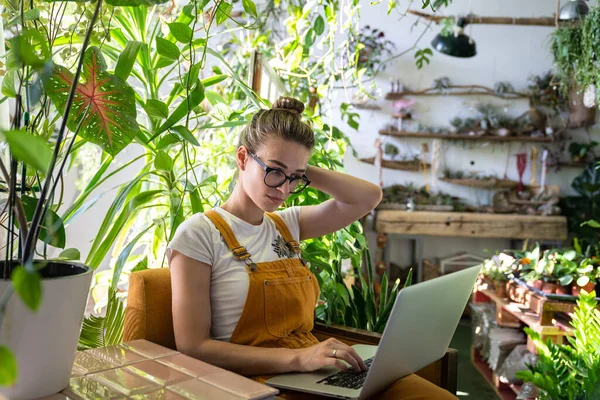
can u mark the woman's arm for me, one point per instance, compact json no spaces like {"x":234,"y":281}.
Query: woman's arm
{"x":190,"y":282}
{"x":352,"y":199}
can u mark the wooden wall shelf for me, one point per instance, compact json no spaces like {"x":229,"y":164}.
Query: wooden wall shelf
{"x":493,"y":183}
{"x":478,"y":225}
{"x":471,"y":90}
{"x":478,"y":19}
{"x":367,"y":106}
{"x":454,"y":136}
{"x":399,"y":165}
{"x":569,"y":164}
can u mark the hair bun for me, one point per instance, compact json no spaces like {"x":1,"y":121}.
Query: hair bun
{"x":289,"y":104}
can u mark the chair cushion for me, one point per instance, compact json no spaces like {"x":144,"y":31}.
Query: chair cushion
{"x":148,"y":314}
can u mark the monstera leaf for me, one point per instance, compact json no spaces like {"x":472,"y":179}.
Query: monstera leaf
{"x":104,"y":102}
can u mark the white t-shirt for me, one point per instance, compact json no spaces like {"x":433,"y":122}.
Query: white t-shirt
{"x":199,"y":239}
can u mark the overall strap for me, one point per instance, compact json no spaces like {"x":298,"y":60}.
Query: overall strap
{"x":293,"y":245}
{"x":239,"y":252}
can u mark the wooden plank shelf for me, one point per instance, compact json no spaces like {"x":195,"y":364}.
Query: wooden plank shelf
{"x":475,"y":225}
{"x":367,"y":106}
{"x":472,"y":90}
{"x":569,"y":164}
{"x":398,"y":165}
{"x":505,"y":392}
{"x":493,"y":183}
{"x":455,"y":136}
{"x":524,"y":315}
{"x":492,"y":20}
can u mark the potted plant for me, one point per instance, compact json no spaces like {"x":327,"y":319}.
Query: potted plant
{"x":498,"y":276}
{"x":372,"y":47}
{"x":585,"y":277}
{"x":56,"y":109}
{"x":565,"y":270}
{"x":568,"y":49}
{"x":391,"y":151}
{"x":582,"y":152}
{"x":568,"y":371}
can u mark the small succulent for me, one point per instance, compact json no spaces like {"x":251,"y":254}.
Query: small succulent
{"x":442,"y":83}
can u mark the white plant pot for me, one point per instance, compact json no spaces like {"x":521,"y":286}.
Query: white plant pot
{"x":44,"y":343}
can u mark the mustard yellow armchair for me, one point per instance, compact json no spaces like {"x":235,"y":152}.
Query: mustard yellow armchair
{"x":149,"y":316}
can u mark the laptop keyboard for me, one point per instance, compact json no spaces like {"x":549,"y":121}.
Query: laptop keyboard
{"x":349,"y":379}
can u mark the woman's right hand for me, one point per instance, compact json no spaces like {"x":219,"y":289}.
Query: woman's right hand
{"x":330,"y":353}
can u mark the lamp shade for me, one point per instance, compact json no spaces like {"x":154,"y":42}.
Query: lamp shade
{"x":573,"y":10}
{"x":457,"y":45}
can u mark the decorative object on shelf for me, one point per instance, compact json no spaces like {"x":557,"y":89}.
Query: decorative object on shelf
{"x":457,"y":44}
{"x":390,"y":150}
{"x":363,"y":101}
{"x":544,"y":169}
{"x":425,"y":150}
{"x":378,"y":161}
{"x":534,"y":152}
{"x":521,"y":165}
{"x":402,"y":197}
{"x":582,"y":152}
{"x":403,"y":113}
{"x":573,"y":10}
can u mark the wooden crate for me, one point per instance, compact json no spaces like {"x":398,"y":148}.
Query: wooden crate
{"x":545,"y":309}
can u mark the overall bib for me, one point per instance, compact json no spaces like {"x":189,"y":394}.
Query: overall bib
{"x":279,"y":310}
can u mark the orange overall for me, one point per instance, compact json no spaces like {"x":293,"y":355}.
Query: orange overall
{"x":279,"y":310}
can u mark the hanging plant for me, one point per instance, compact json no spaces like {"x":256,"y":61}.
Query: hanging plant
{"x":372,"y":48}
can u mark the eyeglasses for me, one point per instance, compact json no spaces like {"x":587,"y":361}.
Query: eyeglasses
{"x":275,"y":177}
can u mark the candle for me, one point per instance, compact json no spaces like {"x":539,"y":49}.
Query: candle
{"x":533,"y":165}
{"x":543,"y":177}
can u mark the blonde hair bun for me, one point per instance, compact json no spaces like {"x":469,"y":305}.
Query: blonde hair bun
{"x":290,"y":104}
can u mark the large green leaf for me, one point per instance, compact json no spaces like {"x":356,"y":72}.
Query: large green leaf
{"x":8,"y":84}
{"x":8,"y":367}
{"x":30,"y":149}
{"x":122,"y":259}
{"x":181,"y":32}
{"x":103,"y":243}
{"x":104,"y":331}
{"x":29,"y":48}
{"x":53,"y":228}
{"x":127,"y":59}
{"x":196,"y":96}
{"x":28,"y":285}
{"x":110,"y":120}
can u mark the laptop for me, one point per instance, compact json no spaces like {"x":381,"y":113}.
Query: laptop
{"x":418,"y":332}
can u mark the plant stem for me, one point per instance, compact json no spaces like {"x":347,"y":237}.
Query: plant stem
{"x":40,"y":209}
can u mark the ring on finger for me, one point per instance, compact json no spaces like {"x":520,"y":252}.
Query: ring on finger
{"x":334,"y":353}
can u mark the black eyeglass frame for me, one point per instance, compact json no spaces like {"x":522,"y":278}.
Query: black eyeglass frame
{"x":287,"y":178}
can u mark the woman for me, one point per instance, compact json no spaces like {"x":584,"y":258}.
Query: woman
{"x":242,"y":297}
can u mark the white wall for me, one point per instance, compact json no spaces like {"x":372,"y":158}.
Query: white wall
{"x":505,"y":53}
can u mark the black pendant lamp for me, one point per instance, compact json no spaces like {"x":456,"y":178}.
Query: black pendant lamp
{"x":573,"y":10}
{"x":456,"y":45}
